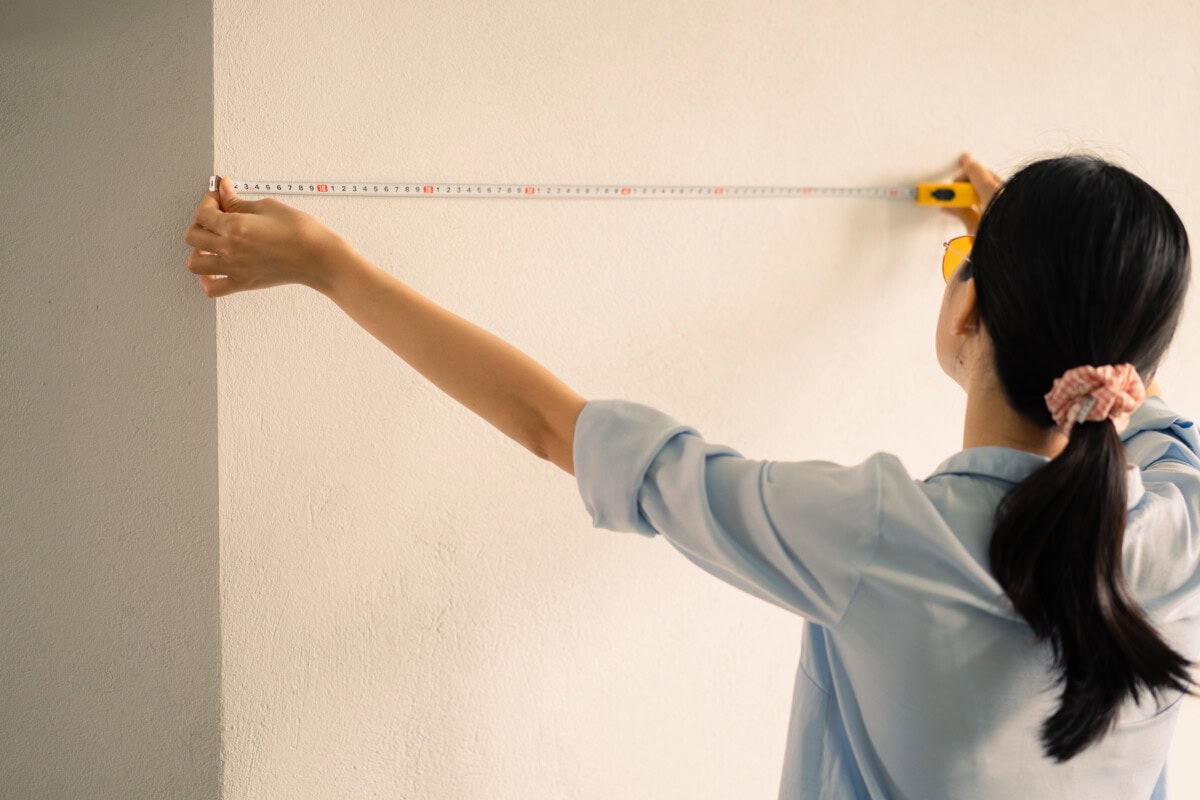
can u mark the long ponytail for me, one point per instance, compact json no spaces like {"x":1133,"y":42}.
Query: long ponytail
{"x":1056,"y":550}
{"x":1078,"y":262}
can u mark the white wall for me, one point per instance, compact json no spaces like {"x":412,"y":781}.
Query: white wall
{"x":109,"y":643}
{"x":411,"y":606}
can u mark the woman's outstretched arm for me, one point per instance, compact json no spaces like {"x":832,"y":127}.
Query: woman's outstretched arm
{"x":478,"y":369}
{"x":262,"y":243}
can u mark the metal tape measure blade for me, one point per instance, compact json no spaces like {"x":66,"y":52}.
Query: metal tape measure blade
{"x":949,"y":194}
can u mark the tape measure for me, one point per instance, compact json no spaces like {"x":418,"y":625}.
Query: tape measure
{"x":952,"y":195}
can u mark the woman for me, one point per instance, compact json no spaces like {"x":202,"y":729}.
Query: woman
{"x":1019,"y":623}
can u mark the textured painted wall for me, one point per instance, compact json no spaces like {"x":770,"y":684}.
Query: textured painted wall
{"x":109,"y":659}
{"x":414,"y":607}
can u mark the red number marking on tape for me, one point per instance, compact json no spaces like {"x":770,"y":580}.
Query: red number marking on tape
{"x":322,"y":187}
{"x":427,"y":189}
{"x":893,"y":192}
{"x":626,"y":190}
{"x":529,"y":190}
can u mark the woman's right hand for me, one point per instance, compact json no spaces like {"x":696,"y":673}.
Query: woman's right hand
{"x":986,"y":184}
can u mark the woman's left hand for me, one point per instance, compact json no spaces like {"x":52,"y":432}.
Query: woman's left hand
{"x":255,"y":244}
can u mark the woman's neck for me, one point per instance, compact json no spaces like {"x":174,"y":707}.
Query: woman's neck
{"x":991,"y":422}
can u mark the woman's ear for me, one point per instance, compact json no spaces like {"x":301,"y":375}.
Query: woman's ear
{"x":964,"y":319}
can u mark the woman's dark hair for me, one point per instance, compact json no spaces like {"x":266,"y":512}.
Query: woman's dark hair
{"x":1078,"y":262}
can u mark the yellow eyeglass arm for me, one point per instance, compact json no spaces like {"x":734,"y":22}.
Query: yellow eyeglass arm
{"x":949,"y":195}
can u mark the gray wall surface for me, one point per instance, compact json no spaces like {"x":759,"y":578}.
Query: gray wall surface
{"x":109,"y":643}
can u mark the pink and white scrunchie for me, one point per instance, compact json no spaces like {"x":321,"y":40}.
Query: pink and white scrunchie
{"x":1092,"y":394}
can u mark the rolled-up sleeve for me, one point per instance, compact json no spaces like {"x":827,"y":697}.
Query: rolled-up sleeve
{"x":797,"y":534}
{"x":1156,"y":436}
{"x":1166,"y":449}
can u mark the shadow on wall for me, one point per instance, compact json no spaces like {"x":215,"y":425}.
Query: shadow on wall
{"x":28,"y":21}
